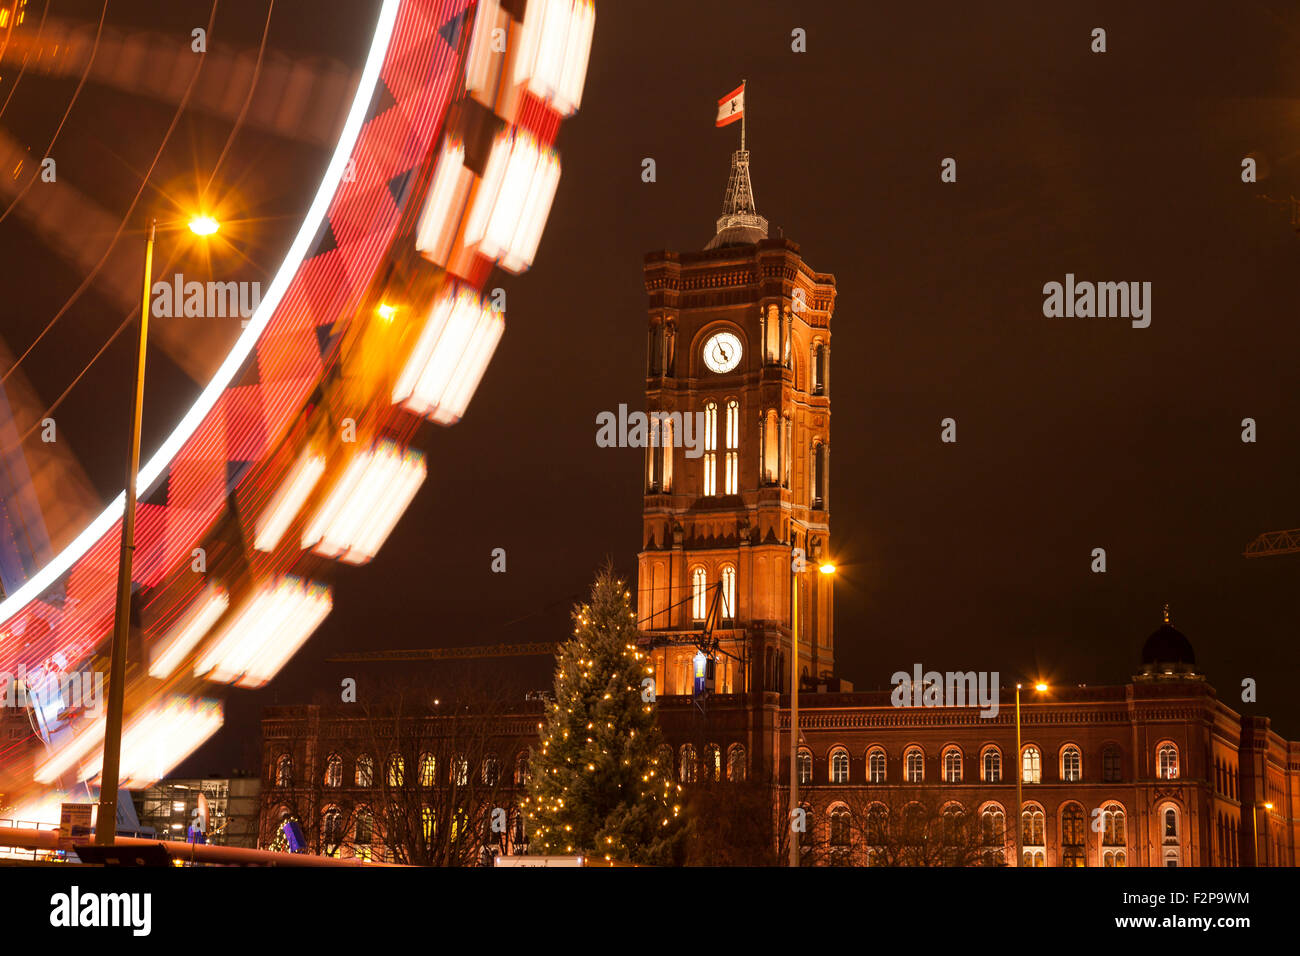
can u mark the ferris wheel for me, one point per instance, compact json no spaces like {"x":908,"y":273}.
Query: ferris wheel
{"x":297,"y":454}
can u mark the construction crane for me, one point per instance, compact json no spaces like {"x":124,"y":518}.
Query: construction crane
{"x":534,"y":649}
{"x":1274,"y":542}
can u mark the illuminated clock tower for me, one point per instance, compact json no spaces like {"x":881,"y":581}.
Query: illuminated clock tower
{"x":739,"y":363}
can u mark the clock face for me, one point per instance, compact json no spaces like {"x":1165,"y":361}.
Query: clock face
{"x":722,"y":352}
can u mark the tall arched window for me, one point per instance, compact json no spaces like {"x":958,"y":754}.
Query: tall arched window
{"x":699,"y":600}
{"x":770,"y":454}
{"x":803,"y":764}
{"x":365,"y":771}
{"x":284,"y":771}
{"x":732,"y":461}
{"x":1071,"y":764}
{"x":914,"y":765}
{"x":952,"y":765}
{"x":334,"y":771}
{"x":993,"y":834}
{"x":736,"y":765}
{"x":819,"y":369}
{"x":1031,"y":765}
{"x":841,"y":828}
{"x":428,"y":770}
{"x":331,"y":830}
{"x":1110,"y":765}
{"x":522,"y":775}
{"x":460,"y":770}
{"x":876,"y":766}
{"x":820,"y":473}
{"x":839,"y":765}
{"x":396,"y":770}
{"x":1167,"y":762}
{"x":1172,"y":852}
{"x":688,"y":763}
{"x":713,"y":762}
{"x":1073,"y":829}
{"x":728,"y":592}
{"x":1032,"y":836}
{"x":992,"y":765}
{"x":710,"y":449}
{"x":491,"y":771}
{"x":365,"y":826}
{"x":1114,"y":839}
{"x":659,"y":458}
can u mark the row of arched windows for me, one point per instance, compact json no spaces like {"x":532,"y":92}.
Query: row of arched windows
{"x":952,"y":766}
{"x":700,"y":592}
{"x":488,"y":773}
{"x":690,"y":768}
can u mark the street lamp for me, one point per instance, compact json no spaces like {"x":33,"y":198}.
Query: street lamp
{"x":106,"y":823}
{"x":797,"y":567}
{"x":1040,"y":687}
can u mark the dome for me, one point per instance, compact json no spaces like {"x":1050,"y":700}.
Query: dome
{"x":737,"y":236}
{"x":1168,"y":649}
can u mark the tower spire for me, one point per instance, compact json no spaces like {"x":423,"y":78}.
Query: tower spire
{"x":740,"y":223}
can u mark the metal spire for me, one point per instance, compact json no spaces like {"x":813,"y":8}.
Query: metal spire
{"x":740,"y":221}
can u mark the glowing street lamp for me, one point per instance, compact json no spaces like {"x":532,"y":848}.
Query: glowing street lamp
{"x":106,"y":823}
{"x":203,"y":225}
{"x":796,"y":567}
{"x":1040,"y":687}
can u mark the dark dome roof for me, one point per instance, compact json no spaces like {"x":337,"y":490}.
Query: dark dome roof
{"x":737,"y":236}
{"x":1168,"y":647}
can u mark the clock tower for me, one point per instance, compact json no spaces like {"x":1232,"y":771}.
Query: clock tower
{"x":737,"y":475}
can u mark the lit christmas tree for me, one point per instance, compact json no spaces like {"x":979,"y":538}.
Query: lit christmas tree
{"x":596,"y":784}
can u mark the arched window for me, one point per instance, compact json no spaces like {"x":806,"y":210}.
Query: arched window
{"x":713,"y":762}
{"x":1172,"y":853}
{"x":820,"y":359}
{"x":688,"y":763}
{"x":1170,"y":829}
{"x":839,"y":765}
{"x":331,"y":830}
{"x":710,"y":449}
{"x":803,"y":763}
{"x":1071,"y":764}
{"x":522,"y":776}
{"x":728,"y":592}
{"x":365,"y":826}
{"x":428,"y":770}
{"x":876,"y":766}
{"x":396,"y":770}
{"x":365,"y":776}
{"x":736,"y":766}
{"x":426,"y":824}
{"x":491,"y":771}
{"x":460,"y":770}
{"x":952,"y":766}
{"x":1073,"y":829}
{"x":992,"y":765}
{"x":659,"y":457}
{"x":993,"y":834}
{"x":732,"y":461}
{"x":1167,"y":762}
{"x":334,"y":771}
{"x":820,"y":475}
{"x":1031,"y":765}
{"x":699,"y":599}
{"x":953,"y":824}
{"x":1033,"y":828}
{"x":914,"y":765}
{"x":284,"y":771}
{"x":877,"y":824}
{"x":841,"y":826}
{"x":1113,"y":836}
{"x":770,"y":453}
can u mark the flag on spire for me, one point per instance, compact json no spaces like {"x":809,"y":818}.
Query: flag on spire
{"x":732,"y":106}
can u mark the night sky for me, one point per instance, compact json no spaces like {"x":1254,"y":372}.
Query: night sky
{"x":1073,"y":433}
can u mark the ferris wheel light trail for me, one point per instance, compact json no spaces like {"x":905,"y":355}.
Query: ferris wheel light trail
{"x":190,"y":422}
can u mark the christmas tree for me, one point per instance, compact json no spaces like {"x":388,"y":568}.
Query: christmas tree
{"x":596,"y":784}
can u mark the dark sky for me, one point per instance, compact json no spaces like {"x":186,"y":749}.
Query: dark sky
{"x":1072,"y":433}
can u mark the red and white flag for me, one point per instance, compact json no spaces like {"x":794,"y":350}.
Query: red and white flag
{"x":732,"y":106}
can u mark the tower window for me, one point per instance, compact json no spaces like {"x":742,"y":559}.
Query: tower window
{"x":733,"y":448}
{"x":1167,"y":762}
{"x":820,"y":358}
{"x":729,"y":592}
{"x":711,"y":449}
{"x":699,"y":600}
{"x":820,"y":464}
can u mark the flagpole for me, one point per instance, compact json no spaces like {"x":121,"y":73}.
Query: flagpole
{"x":743,"y":111}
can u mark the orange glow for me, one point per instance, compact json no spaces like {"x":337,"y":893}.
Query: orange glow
{"x":1040,"y":686}
{"x":365,"y":503}
{"x":827,"y":568}
{"x":203,"y":225}
{"x":255,"y":642}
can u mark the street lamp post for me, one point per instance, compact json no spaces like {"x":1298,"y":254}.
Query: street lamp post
{"x":1018,"y":823}
{"x":106,"y":822}
{"x":1254,"y":827}
{"x":796,"y":568}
